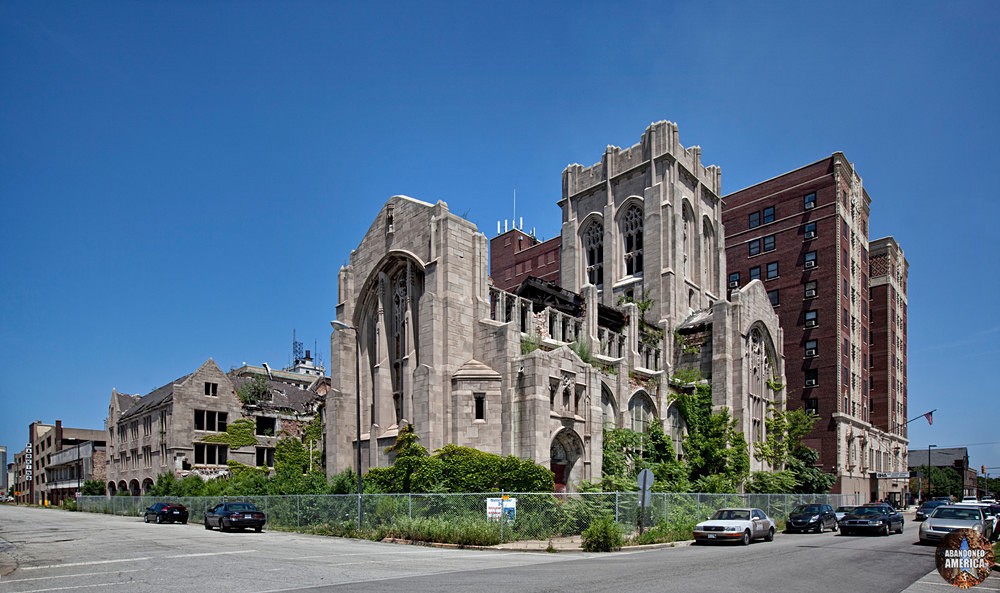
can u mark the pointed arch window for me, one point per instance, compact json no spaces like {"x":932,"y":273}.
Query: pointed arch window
{"x":641,"y":410}
{"x":593,"y":245}
{"x":632,"y":235}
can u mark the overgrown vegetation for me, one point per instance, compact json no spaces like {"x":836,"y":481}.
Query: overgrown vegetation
{"x":254,"y":391}
{"x":603,"y":535}
{"x":455,"y":469}
{"x":794,"y":463}
{"x":239,"y":433}
{"x":529,"y":344}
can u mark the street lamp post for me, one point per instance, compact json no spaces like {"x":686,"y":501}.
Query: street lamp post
{"x":928,"y":497}
{"x":338,"y":325}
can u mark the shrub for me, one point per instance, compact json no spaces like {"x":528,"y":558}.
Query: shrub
{"x":603,"y":535}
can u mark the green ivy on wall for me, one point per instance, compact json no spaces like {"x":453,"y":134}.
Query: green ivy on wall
{"x":239,"y":433}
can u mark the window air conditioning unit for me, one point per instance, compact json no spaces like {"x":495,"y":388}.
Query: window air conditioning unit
{"x":810,"y":382}
{"x":734,"y":284}
{"x":811,"y":352}
{"x":810,"y":323}
{"x":810,"y":293}
{"x":810,"y":234}
{"x":811,"y":263}
{"x":810,"y":205}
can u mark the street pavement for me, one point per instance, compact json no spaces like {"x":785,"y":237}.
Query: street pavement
{"x":54,"y":550}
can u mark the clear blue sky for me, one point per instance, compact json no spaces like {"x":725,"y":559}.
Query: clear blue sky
{"x":182,"y":180}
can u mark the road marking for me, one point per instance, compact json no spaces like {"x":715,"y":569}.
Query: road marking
{"x":140,"y":559}
{"x":64,"y":576}
{"x":81,"y":587}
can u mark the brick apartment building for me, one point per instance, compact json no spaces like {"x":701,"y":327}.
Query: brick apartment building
{"x":804,"y":234}
{"x":516,"y":255}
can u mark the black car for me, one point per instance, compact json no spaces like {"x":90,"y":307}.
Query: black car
{"x":811,"y":517}
{"x":924,"y":510}
{"x":166,"y":512}
{"x":872,"y":518}
{"x":235,"y":515}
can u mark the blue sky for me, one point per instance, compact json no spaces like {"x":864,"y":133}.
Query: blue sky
{"x":182,"y":180}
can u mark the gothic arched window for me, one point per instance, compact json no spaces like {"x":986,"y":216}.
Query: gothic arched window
{"x":632,"y":236}
{"x":593,"y":245}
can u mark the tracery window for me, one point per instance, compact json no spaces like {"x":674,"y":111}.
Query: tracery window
{"x":632,"y":235}
{"x":593,"y":244}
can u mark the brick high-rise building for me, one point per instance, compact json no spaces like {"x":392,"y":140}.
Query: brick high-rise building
{"x":889,"y":273}
{"x":804,"y":234}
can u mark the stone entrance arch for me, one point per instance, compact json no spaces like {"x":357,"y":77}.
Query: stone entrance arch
{"x":564,"y":454}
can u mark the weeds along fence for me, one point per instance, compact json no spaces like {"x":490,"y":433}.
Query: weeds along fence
{"x":522,"y":516}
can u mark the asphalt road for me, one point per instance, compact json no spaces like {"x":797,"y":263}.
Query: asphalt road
{"x":59,"y":551}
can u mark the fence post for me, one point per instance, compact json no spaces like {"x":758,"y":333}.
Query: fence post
{"x":409,"y":505}
{"x":616,"y":507}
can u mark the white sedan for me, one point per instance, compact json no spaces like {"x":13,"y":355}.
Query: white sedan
{"x":742,"y":525}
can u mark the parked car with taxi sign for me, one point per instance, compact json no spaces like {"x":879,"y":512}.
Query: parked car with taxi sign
{"x":735,"y":525}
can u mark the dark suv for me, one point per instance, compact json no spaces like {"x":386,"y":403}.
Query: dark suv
{"x":811,"y":517}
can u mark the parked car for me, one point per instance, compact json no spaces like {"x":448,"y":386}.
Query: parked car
{"x":843,"y":510}
{"x":926,"y":508}
{"x":945,"y":519}
{"x":872,"y":518}
{"x":989,"y":513}
{"x":235,"y":515}
{"x":735,"y":525}
{"x":812,"y":517}
{"x":166,"y":512}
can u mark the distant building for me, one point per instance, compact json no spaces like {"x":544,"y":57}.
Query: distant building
{"x":42,"y":475}
{"x":181,"y":427}
{"x":956,"y":458}
{"x":804,"y":234}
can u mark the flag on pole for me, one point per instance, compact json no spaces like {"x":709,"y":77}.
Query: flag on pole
{"x":930,"y":417}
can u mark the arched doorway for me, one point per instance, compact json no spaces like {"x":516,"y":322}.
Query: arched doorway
{"x":147,"y":485}
{"x":564,"y":453}
{"x":112,"y":489}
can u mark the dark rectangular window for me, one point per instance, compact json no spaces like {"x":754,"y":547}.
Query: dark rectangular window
{"x":769,"y":243}
{"x":266,"y":426}
{"x":772,"y":295}
{"x":812,"y":405}
{"x":210,"y":420}
{"x":812,"y":377}
{"x":480,"y":406}
{"x":754,"y":246}
{"x":768,"y":214}
{"x":265,"y":457}
{"x":810,"y":259}
{"x":844,"y":229}
{"x":754,"y":219}
{"x":210,"y":454}
{"x":211,"y":389}
{"x":809,"y":201}
{"x":755,"y":273}
{"x":809,"y":232}
{"x":812,"y":347}
{"x":811,"y":289}
{"x":772,"y":270}
{"x":734,"y":280}
{"x":812,"y":319}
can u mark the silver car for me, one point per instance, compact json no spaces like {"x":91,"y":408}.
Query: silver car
{"x":945,"y":519}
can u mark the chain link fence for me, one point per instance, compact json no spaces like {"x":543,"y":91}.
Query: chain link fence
{"x":523,"y":515}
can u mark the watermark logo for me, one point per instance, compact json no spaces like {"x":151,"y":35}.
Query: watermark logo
{"x":964,"y":558}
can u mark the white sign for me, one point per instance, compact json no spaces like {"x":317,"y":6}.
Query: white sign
{"x":501,"y":507}
{"x":892,"y":475}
